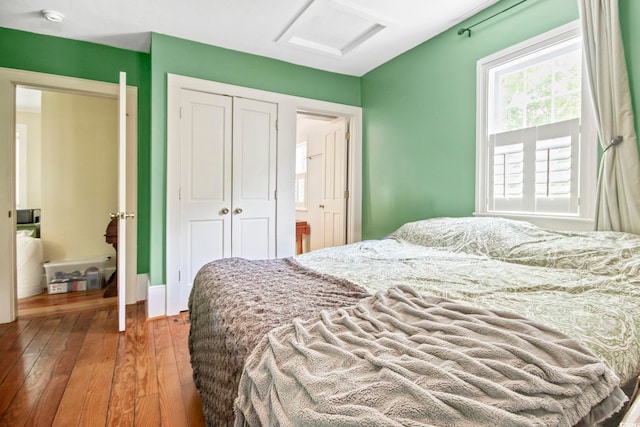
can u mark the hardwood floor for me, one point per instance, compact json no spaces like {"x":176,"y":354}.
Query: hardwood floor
{"x":72,"y":368}
{"x":45,"y":304}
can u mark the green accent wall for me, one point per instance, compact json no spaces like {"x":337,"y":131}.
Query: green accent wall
{"x":419,"y":108}
{"x":72,"y":58}
{"x":420,"y":113}
{"x":187,"y":58}
{"x":148,"y":71}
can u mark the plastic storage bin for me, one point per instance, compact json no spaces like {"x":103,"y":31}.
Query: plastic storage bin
{"x":79,"y":265}
{"x":94,"y":278}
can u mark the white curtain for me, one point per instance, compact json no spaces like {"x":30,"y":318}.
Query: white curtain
{"x":618,"y":199}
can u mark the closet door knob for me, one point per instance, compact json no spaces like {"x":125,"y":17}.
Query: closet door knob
{"x":238,"y":211}
{"x":224,"y":211}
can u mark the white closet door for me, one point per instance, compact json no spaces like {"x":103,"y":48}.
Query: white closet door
{"x":254,"y":179}
{"x":334,"y":201}
{"x":205,"y":189}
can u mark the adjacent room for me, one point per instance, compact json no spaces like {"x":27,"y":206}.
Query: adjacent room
{"x":320,"y":212}
{"x":66,"y":179}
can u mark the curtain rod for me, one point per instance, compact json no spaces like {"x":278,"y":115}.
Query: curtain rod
{"x":461,"y":31}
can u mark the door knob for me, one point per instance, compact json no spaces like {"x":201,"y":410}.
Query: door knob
{"x":113,"y":215}
{"x":129,"y":215}
{"x":224,"y":211}
{"x":238,"y":211}
{"x":321,"y":206}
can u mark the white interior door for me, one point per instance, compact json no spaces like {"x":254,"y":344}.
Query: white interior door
{"x":205,"y":188}
{"x":121,"y":260}
{"x":254,"y":179}
{"x":315,"y":184}
{"x":334,"y":186}
{"x":287,"y":108}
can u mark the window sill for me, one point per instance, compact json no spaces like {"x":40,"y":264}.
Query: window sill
{"x":546,"y":221}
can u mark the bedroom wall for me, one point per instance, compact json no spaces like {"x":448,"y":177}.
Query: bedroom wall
{"x":629,"y":18}
{"x":79,"y":174}
{"x":72,"y":58}
{"x":419,"y":109}
{"x":34,"y":156}
{"x":419,"y":113}
{"x":55,"y":55}
{"x":183,"y":57}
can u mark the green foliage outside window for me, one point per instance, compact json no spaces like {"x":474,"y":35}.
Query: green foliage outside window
{"x":543,"y":93}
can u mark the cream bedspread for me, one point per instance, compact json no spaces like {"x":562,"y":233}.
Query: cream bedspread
{"x":586,"y":285}
{"x":400,"y":358}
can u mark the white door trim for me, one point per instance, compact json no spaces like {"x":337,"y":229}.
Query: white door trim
{"x":9,"y":78}
{"x":288,"y":106}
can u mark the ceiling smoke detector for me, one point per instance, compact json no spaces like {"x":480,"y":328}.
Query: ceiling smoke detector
{"x":52,"y":15}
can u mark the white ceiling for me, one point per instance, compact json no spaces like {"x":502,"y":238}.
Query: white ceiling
{"x":344,"y":36}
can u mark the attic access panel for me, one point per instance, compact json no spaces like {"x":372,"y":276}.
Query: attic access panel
{"x":331,"y":27}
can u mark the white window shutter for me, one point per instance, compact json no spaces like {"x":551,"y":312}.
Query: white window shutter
{"x":535,"y":170}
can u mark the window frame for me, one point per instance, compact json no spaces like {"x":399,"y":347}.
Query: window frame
{"x":583,"y":220}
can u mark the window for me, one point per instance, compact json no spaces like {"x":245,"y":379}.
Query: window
{"x":301,"y":175}
{"x":536,"y":147}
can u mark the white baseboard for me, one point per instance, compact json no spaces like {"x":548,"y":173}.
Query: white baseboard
{"x":141,"y":287}
{"x":156,"y":301}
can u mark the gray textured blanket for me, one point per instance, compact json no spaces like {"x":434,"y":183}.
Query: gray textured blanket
{"x":401,"y":358}
{"x":234,"y":302}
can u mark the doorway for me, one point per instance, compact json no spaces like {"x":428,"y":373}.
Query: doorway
{"x":9,"y":80}
{"x":287,"y":106}
{"x":322,"y":184}
{"x":66,"y":181}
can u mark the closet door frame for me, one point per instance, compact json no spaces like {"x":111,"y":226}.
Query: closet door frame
{"x":288,"y":106}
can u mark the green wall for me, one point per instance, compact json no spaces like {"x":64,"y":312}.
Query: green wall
{"x":420,"y":113}
{"x":629,"y":18}
{"x":419,"y":108}
{"x":55,"y":55}
{"x":188,"y":58}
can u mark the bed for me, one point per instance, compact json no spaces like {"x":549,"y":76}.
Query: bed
{"x":269,"y":338}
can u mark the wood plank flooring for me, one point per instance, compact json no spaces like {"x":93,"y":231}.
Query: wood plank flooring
{"x":45,"y":304}
{"x":72,"y":368}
